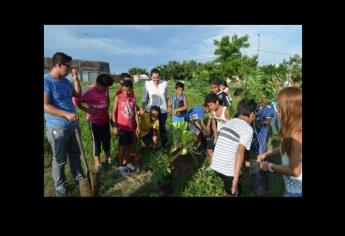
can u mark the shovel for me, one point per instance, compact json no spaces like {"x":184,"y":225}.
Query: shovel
{"x":86,"y":184}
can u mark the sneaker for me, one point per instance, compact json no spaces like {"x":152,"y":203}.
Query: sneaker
{"x":60,"y":192}
{"x":130,"y":167}
{"x":123,"y":170}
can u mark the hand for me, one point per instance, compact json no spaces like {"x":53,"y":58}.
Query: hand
{"x":138,"y":131}
{"x":261,"y":157}
{"x":92,"y":110}
{"x":115,"y":131}
{"x":74,"y":74}
{"x":264,"y":165}
{"x":234,"y":187}
{"x":71,"y":117}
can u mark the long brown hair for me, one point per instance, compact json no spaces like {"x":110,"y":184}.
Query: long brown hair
{"x":290,"y":106}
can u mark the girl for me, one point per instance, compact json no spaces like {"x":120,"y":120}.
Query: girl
{"x":290,"y":112}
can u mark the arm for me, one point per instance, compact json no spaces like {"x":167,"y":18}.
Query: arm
{"x":227,"y":114}
{"x":238,"y":164}
{"x":57,"y":112}
{"x":76,"y":92}
{"x":137,"y":120}
{"x":214,"y":128}
{"x":144,"y":98}
{"x":295,"y":163}
{"x":203,"y":126}
{"x":169,"y":102}
{"x":273,"y":152}
{"x":113,"y":116}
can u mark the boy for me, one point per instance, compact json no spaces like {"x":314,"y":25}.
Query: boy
{"x":215,"y":86}
{"x":125,"y":121}
{"x":149,"y":126}
{"x":178,"y":104}
{"x":95,"y":102}
{"x":234,"y":138}
{"x":219,"y":115}
{"x":61,"y":120}
{"x":264,"y":116}
{"x":195,"y":118}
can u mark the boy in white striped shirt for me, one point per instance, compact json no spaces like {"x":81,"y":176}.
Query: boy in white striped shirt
{"x":234,"y":138}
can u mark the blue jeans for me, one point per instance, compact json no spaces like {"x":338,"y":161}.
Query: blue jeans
{"x":64,"y":144}
{"x":162,"y":131}
{"x":287,"y":194}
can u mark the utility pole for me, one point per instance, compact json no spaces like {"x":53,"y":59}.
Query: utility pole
{"x":258,"y":47}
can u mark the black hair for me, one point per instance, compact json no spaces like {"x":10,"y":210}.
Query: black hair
{"x":127,"y":83}
{"x":211,"y":98}
{"x":225,"y":84}
{"x":179,"y":85}
{"x":59,"y":58}
{"x":155,"y":108}
{"x":104,"y":80}
{"x":155,"y":71}
{"x":246,"y":107}
{"x":215,"y":80}
{"x":238,"y":92}
{"x":125,"y":75}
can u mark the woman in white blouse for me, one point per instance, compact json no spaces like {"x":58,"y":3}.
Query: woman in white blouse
{"x":155,"y":93}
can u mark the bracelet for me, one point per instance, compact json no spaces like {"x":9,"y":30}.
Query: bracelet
{"x":270,"y":167}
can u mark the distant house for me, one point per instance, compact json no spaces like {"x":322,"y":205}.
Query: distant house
{"x":138,"y":78}
{"x":88,"y":70}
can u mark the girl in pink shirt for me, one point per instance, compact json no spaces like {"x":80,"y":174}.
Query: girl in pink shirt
{"x":95,"y":102}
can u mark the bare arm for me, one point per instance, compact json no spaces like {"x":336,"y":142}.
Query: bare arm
{"x":113,"y":115}
{"x":52,"y":110}
{"x":295,"y":163}
{"x":77,"y":91}
{"x":239,"y":159}
{"x":227,"y":114}
{"x":144,"y":98}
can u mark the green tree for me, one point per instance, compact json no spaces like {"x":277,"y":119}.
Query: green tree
{"x":294,"y":66}
{"x":137,"y":71}
{"x":230,"y":59}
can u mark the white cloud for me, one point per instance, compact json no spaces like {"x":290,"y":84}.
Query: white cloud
{"x":61,"y":39}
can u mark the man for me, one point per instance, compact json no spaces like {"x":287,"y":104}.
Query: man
{"x":61,"y":120}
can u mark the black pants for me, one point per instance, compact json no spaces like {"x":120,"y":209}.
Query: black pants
{"x":100,"y":135}
{"x":162,"y":131}
{"x":228,"y":183}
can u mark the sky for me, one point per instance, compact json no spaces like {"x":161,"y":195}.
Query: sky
{"x":148,"y":46}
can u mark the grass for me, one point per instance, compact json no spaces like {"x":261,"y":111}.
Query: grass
{"x":198,"y":182}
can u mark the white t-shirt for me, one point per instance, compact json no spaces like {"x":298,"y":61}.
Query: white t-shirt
{"x":234,"y":132}
{"x":155,"y":96}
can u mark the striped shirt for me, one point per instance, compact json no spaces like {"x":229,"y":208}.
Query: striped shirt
{"x":234,"y":132}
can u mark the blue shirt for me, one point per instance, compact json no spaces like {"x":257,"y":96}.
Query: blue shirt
{"x":196,"y":113}
{"x":59,"y":92}
{"x":259,"y":142}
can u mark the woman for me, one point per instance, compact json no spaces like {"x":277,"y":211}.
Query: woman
{"x":290,"y":112}
{"x":155,"y":93}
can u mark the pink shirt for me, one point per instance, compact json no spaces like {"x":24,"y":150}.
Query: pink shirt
{"x":99,"y":100}
{"x":125,"y":114}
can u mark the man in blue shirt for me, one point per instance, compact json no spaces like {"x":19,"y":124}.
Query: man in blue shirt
{"x":61,"y":120}
{"x":263,"y":120}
